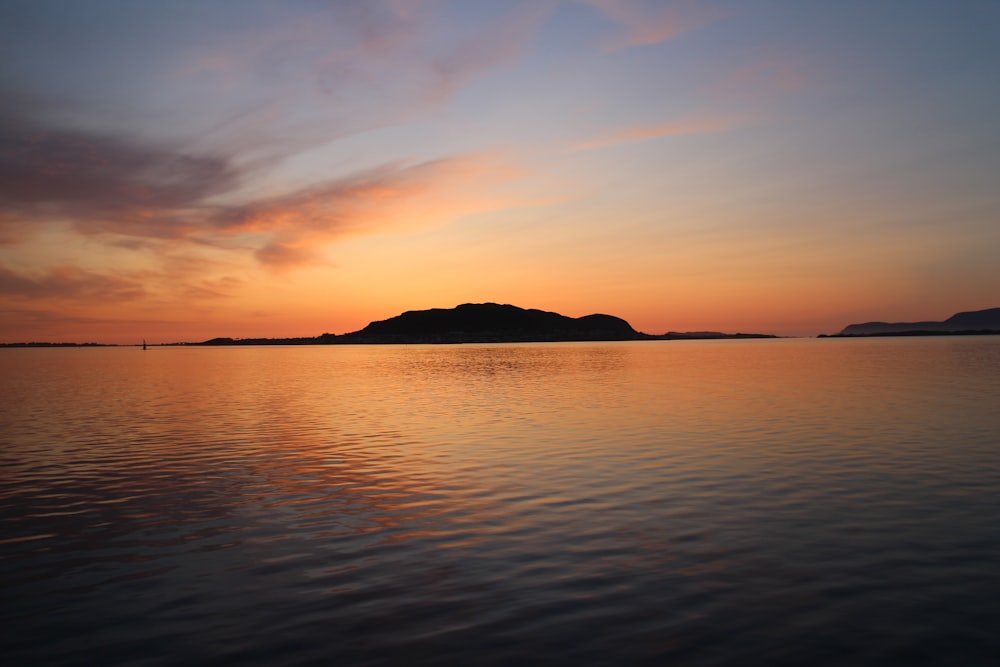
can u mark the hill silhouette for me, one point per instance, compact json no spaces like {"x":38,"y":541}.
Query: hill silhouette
{"x":484,"y":323}
{"x":970,"y":322}
{"x":489,"y":323}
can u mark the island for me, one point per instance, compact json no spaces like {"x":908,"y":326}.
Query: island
{"x":485,"y":323}
{"x":975,"y":322}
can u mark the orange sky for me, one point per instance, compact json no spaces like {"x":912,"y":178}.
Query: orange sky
{"x":292,"y":169}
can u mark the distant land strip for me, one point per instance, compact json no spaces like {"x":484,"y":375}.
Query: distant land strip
{"x":915,"y":332}
{"x":43,"y":344}
{"x":971,"y":323}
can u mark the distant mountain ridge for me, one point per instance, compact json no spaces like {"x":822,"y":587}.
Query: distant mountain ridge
{"x":975,"y":321}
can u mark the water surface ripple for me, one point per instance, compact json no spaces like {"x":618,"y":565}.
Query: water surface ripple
{"x":781,"y":502}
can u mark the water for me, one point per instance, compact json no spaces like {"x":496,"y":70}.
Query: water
{"x":691,"y":503}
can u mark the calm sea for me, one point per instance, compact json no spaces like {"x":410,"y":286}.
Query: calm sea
{"x":773,"y":502}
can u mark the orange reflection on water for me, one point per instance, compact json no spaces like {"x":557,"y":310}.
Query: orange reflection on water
{"x":441,"y":443}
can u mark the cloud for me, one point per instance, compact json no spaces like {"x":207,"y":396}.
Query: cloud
{"x":345,"y":68}
{"x":138,"y":196}
{"x":392,"y":197}
{"x":282,"y":255}
{"x":646,"y":22}
{"x":218,"y":288}
{"x":501,"y":43}
{"x":101,"y":183}
{"x":69,"y":282}
{"x":268,"y":89}
{"x":674,"y":128}
{"x":761,"y":77}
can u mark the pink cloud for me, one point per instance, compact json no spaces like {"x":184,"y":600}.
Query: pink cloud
{"x":135,"y":196}
{"x":500,"y":44}
{"x":674,"y":128}
{"x":391,"y":197}
{"x":645,"y":22}
{"x":348,"y":68}
{"x":771,"y":75}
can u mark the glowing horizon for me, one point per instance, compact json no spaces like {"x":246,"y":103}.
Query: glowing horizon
{"x":288,"y":169}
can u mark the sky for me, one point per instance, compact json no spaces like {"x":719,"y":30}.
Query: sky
{"x":184,"y":169}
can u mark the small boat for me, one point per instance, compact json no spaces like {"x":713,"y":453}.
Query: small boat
{"x":144,"y":343}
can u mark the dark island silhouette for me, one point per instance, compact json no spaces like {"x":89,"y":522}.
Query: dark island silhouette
{"x":484,"y":323}
{"x":975,"y":322}
{"x":490,"y":323}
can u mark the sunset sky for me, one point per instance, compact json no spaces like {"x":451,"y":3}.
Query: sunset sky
{"x":179,"y":170}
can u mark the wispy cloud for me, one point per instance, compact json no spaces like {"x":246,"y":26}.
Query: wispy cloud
{"x":69,"y":282}
{"x":646,"y":22}
{"x":348,"y":68}
{"x":391,"y":197}
{"x":502,"y":43}
{"x":673,"y":128}
{"x":211,"y":289}
{"x":101,"y":183}
{"x":269,"y":90}
{"x":130,"y":195}
{"x":761,"y":77}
